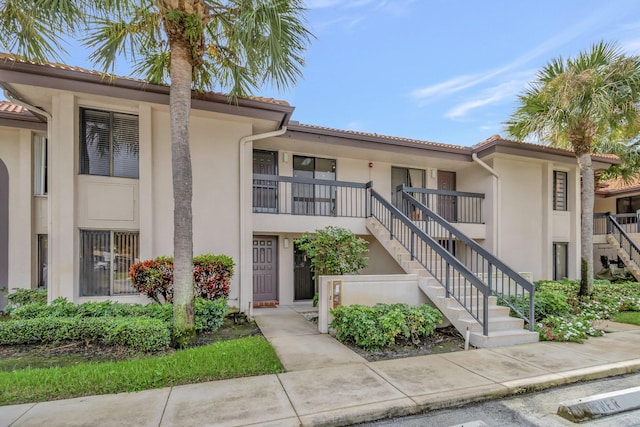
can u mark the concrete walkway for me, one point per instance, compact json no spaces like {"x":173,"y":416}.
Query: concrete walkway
{"x":327,"y":384}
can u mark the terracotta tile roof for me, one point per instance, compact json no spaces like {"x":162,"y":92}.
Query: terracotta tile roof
{"x":497,"y":138}
{"x":618,"y":185}
{"x":375,"y":135}
{"x":9,"y":57}
{"x":10,"y":107}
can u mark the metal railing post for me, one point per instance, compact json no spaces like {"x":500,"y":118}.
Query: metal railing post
{"x":412,"y":245}
{"x":485,"y":314}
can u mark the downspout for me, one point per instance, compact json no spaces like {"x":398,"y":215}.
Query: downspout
{"x":40,"y":111}
{"x":497,"y":203}
{"x":243,"y":209}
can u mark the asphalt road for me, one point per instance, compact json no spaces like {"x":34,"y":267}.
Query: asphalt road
{"x":536,"y":409}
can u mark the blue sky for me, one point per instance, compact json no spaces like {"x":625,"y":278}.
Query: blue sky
{"x":439,"y":70}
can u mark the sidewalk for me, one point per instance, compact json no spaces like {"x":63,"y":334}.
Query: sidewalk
{"x":328,"y":384}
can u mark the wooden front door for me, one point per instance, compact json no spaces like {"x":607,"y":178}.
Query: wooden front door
{"x":447,"y":207}
{"x":303,"y":283}
{"x":265,"y":271}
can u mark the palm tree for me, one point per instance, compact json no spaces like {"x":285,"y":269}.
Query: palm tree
{"x":580,"y":103}
{"x":232,"y":45}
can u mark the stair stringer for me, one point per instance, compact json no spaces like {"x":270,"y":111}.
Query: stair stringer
{"x":503,"y":329}
{"x":624,"y":256}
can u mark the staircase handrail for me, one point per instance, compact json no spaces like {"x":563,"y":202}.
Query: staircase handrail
{"x":517,"y":278}
{"x":298,"y":180}
{"x":474,"y":280}
{"x":633,"y":248}
{"x":403,"y":187}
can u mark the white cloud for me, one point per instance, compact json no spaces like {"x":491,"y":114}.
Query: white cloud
{"x":459,"y":83}
{"x":492,"y":95}
{"x":447,"y":87}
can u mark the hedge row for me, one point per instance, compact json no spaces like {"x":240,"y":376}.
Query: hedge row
{"x":138,"y":333}
{"x":208,"y":314}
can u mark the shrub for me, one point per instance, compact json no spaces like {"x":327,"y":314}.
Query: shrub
{"x":20,"y":297}
{"x":334,"y":250}
{"x":550,"y":303}
{"x":211,"y":276}
{"x":154,"y":278}
{"x":383,"y":325}
{"x":138,"y":333}
{"x":208,"y":314}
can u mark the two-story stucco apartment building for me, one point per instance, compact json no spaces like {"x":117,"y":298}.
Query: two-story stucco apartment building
{"x":85,"y":188}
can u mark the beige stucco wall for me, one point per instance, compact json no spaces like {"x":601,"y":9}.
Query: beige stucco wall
{"x":528,"y":225}
{"x":15,"y":152}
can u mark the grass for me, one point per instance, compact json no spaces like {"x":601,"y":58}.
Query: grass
{"x":632,"y":317}
{"x":221,"y":360}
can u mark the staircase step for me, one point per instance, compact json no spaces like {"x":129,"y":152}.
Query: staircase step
{"x":503,"y":330}
{"x":503,"y":323}
{"x":503,"y":338}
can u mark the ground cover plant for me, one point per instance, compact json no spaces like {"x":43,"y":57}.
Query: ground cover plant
{"x":561,"y":315}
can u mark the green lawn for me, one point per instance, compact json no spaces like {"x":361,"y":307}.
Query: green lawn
{"x":221,"y":360}
{"x":632,"y":317}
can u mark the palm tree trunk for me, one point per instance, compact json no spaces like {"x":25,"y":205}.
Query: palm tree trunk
{"x":586,"y":230}
{"x":180,"y":108}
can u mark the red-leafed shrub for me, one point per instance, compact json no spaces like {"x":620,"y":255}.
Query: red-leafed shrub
{"x":154,"y":278}
{"x":211,"y":276}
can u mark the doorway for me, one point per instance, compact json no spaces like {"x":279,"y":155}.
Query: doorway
{"x":303,"y":283}
{"x":265,"y":268}
{"x":447,"y":206}
{"x":409,"y":177}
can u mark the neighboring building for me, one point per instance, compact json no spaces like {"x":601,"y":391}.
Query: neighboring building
{"x":616,"y":226}
{"x":85,"y":188}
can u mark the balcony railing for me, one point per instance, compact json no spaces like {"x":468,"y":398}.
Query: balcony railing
{"x":627,"y":222}
{"x":454,"y":206}
{"x":306,"y":196}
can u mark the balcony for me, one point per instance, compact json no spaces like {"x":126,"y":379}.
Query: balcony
{"x":286,"y":204}
{"x":454,"y":206}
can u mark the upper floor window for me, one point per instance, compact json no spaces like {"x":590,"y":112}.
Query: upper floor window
{"x":40,"y":183}
{"x":559,"y":191}
{"x":109,"y":144}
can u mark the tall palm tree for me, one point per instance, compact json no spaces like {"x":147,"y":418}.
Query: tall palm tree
{"x":230,"y":45}
{"x":580,"y":103}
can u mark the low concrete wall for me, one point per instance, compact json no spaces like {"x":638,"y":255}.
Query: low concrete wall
{"x":368,"y":290}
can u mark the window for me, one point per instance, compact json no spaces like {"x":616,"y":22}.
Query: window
{"x":309,"y":198}
{"x":628,"y":204}
{"x":40,"y":161}
{"x":105,"y":259}
{"x":559,"y":191}
{"x":43,"y":254}
{"x":561,"y":261}
{"x":109,"y":144}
